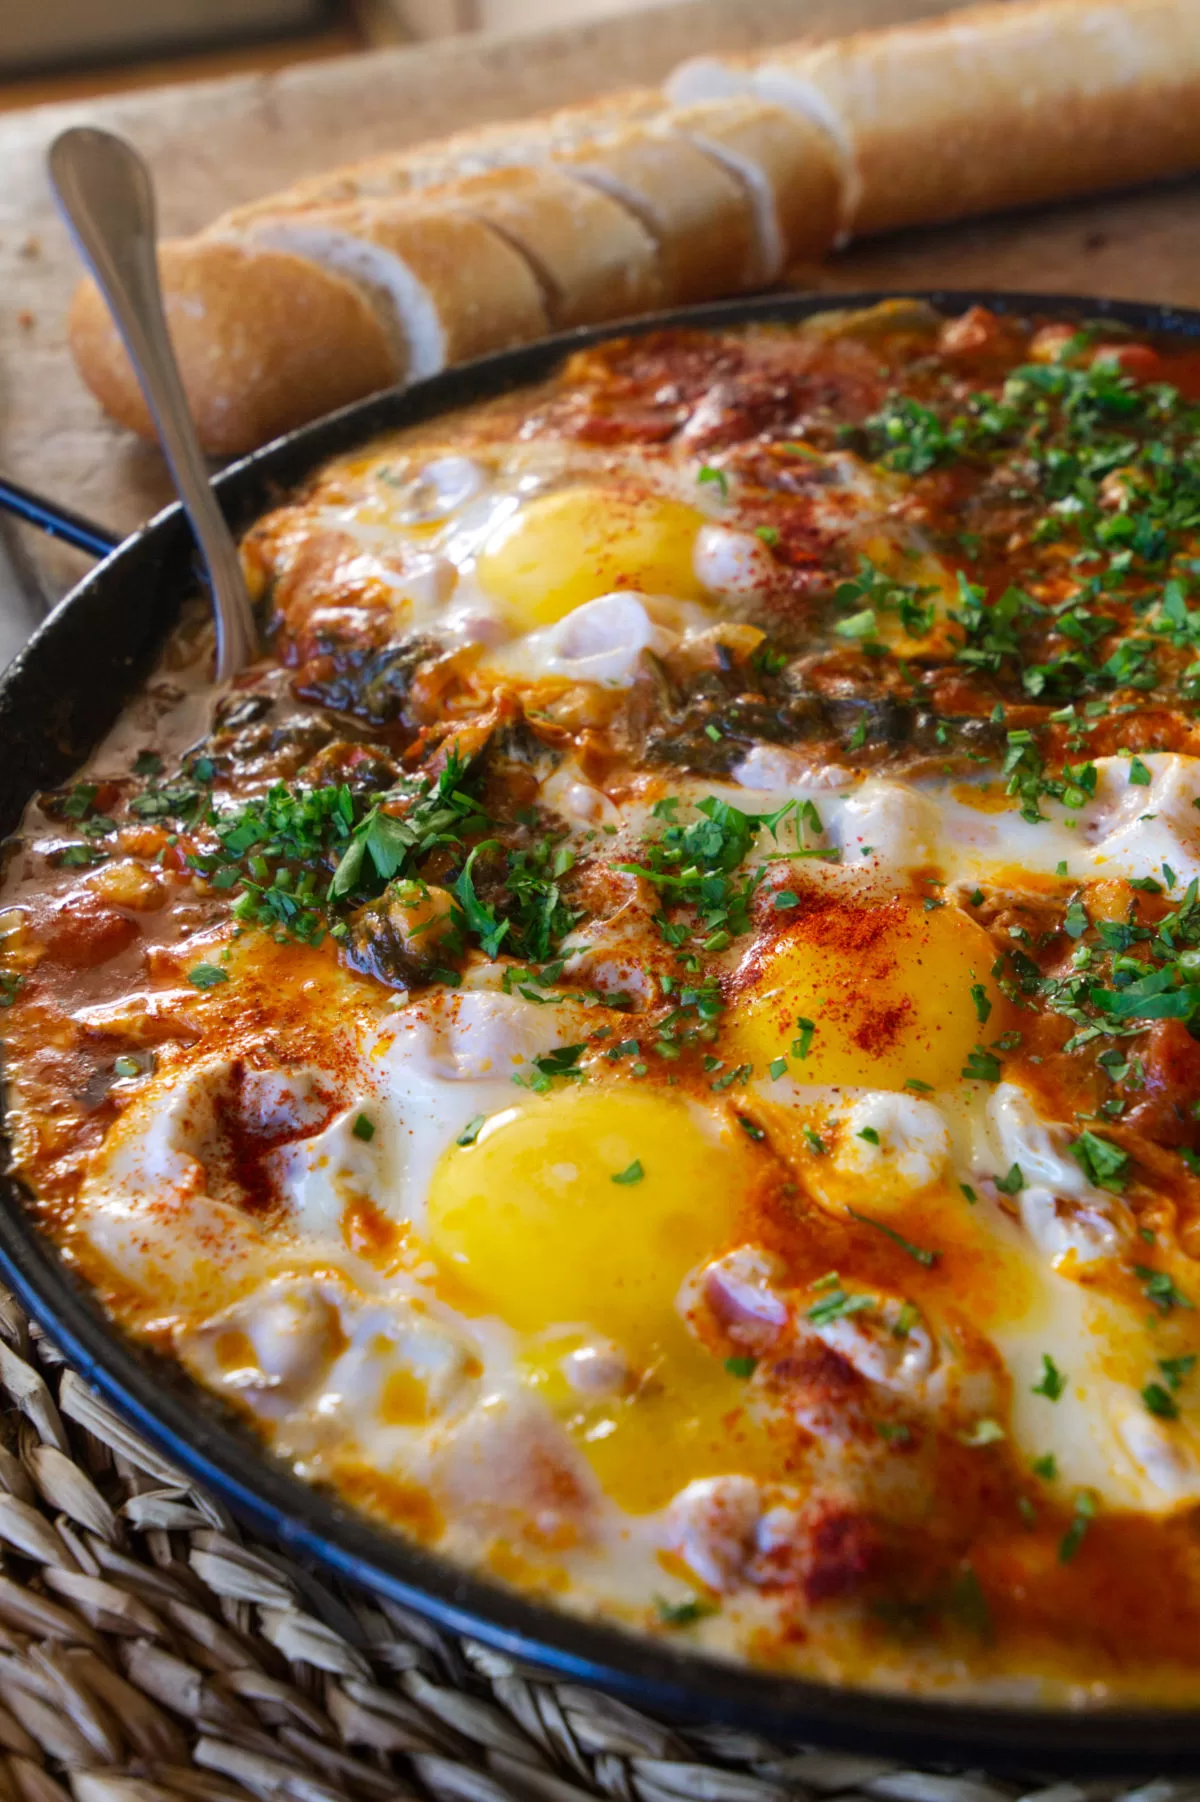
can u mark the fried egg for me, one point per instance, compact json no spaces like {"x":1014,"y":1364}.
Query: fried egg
{"x":615,"y":1050}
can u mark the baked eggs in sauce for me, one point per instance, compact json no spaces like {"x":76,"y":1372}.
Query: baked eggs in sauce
{"x":653,"y":1041}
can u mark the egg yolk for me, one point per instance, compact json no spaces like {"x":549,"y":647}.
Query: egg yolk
{"x":936,"y":587}
{"x":589,"y":1205}
{"x":893,"y":992}
{"x":574,"y":544}
{"x":532,"y":1219}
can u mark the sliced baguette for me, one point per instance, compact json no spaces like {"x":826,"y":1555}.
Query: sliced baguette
{"x":593,"y":258}
{"x":511,"y":143}
{"x":264,"y":340}
{"x":789,"y":169}
{"x":700,"y":216}
{"x":445,"y":285}
{"x":1001,"y":106}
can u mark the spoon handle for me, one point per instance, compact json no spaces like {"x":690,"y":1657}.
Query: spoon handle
{"x":105,"y":194}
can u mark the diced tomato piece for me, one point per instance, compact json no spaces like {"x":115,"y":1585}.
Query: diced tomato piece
{"x":1141,"y":361}
{"x":1145,"y":364}
{"x":1183,"y":372}
{"x":1171,"y":1059}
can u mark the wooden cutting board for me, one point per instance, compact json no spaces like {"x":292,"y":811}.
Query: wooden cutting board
{"x":215,"y":143}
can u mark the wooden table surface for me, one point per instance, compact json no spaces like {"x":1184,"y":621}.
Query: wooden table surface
{"x":218,"y":142}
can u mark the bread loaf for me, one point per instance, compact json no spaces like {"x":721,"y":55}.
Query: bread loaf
{"x":391,"y":268}
{"x":512,"y":143}
{"x":994,"y":107}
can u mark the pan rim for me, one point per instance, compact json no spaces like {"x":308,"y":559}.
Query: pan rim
{"x":313,"y":1525}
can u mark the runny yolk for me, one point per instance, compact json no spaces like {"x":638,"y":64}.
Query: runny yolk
{"x":574,"y":544}
{"x":531,"y":1219}
{"x":894,"y":993}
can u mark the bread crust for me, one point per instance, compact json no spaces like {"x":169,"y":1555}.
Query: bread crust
{"x":594,"y":259}
{"x":1002,"y":105}
{"x":698,"y":214}
{"x":252,"y":330}
{"x":394,"y":173}
{"x":790,"y":161}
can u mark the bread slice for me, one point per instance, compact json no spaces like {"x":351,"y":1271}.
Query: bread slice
{"x":593,"y":258}
{"x":788,"y":167}
{"x":700,"y":216}
{"x":444,"y":285}
{"x":712,"y":78}
{"x":264,"y":340}
{"x":1002,"y":105}
{"x":510,"y":143}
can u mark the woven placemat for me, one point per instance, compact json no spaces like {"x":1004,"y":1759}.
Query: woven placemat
{"x":152,"y":1652}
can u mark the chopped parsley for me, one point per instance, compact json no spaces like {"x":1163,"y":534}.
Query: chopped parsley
{"x":839,"y":1304}
{"x":1176,"y":1369}
{"x":479,"y":919}
{"x":470,"y":1131}
{"x":1053,"y":1382}
{"x":695,"y":868}
{"x":919,"y":1252}
{"x":1159,"y":1287}
{"x":207,"y":976}
{"x":1083,"y":1509}
{"x":894,"y":1432}
{"x":297,"y":859}
{"x":683,"y":1614}
{"x":1160,"y":1402}
{"x":981,"y":1066}
{"x":560,"y":1064}
{"x":872,"y":593}
{"x":1103,"y":1163}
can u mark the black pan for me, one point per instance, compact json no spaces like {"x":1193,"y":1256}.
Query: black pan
{"x":56,"y":701}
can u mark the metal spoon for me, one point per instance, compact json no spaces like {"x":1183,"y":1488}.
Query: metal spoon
{"x":105,"y":194}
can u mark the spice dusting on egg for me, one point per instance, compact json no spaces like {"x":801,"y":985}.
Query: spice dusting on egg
{"x":652,"y":1042}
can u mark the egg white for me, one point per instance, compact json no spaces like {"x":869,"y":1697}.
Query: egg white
{"x":326,"y":1337}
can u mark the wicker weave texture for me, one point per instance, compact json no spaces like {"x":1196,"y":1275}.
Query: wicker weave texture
{"x":150,"y":1652}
